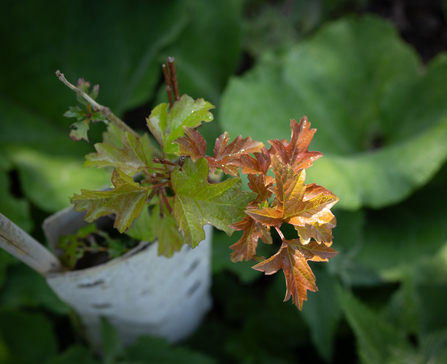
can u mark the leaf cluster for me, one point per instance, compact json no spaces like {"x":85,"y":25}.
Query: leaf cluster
{"x":173,"y":186}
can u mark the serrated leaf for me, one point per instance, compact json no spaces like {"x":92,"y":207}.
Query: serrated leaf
{"x":192,"y":145}
{"x":113,"y":136}
{"x":313,"y":250}
{"x":295,"y":153}
{"x":141,"y":228}
{"x":297,"y":204}
{"x":75,"y":112}
{"x":198,"y":203}
{"x":225,"y":154}
{"x":260,"y":185}
{"x":165,"y":229}
{"x":299,"y":276}
{"x":168,"y":126}
{"x":73,"y":250}
{"x":135,"y":156}
{"x":126,"y":201}
{"x":259,"y":164}
{"x":245,"y":247}
{"x":80,"y":131}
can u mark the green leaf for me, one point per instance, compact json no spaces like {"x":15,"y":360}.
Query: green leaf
{"x":75,"y":112}
{"x":75,"y":354}
{"x":111,"y":343}
{"x":73,"y":246}
{"x":135,"y":156}
{"x":198,"y":203}
{"x":116,"y":247}
{"x":416,"y":244}
{"x":47,"y":180}
{"x":381,"y":131}
{"x":80,"y":131}
{"x":6,"y":260}
{"x":165,"y":228}
{"x":29,"y":337}
{"x":26,"y":288}
{"x":376,"y":338}
{"x":322,"y":313}
{"x":126,"y":201}
{"x":60,"y":42}
{"x":156,"y":350}
{"x":141,"y":227}
{"x":431,"y":300}
{"x":15,"y":209}
{"x":113,"y":136}
{"x":168,"y":126}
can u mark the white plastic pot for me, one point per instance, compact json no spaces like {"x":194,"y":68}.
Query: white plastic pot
{"x":140,"y":293}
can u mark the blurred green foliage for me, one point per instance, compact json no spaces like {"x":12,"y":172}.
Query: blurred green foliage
{"x":381,"y":117}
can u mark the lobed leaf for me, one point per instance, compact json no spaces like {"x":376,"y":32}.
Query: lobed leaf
{"x":80,"y":131}
{"x":194,"y":145}
{"x":260,"y":184}
{"x":197,"y":202}
{"x":169,"y":126}
{"x":306,"y":207}
{"x":313,"y":250}
{"x":170,"y":240}
{"x":225,"y":154}
{"x":245,"y":247}
{"x":126,"y":201}
{"x":295,"y":153}
{"x":259,"y":164}
{"x":135,"y":156}
{"x":299,"y":276}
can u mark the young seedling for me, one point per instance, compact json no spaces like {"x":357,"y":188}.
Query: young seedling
{"x":172,"y":199}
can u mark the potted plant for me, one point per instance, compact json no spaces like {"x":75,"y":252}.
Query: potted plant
{"x":170,"y":194}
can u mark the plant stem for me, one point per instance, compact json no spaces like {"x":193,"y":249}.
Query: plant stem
{"x":280,"y":233}
{"x":173,"y":75}
{"x":97,"y":107}
{"x":167,"y":75}
{"x":165,"y":200}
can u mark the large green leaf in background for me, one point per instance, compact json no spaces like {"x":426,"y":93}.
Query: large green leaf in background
{"x":29,"y":337}
{"x":381,"y":118}
{"x":382,"y":338}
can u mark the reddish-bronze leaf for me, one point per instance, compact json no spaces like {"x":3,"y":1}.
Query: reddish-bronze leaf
{"x":296,"y":152}
{"x":259,"y":164}
{"x":299,"y":276}
{"x":192,"y":145}
{"x":297,"y":204}
{"x":225,"y":154}
{"x":313,"y":251}
{"x":260,"y":185}
{"x":320,"y":230}
{"x":245,"y":247}
{"x":236,"y":148}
